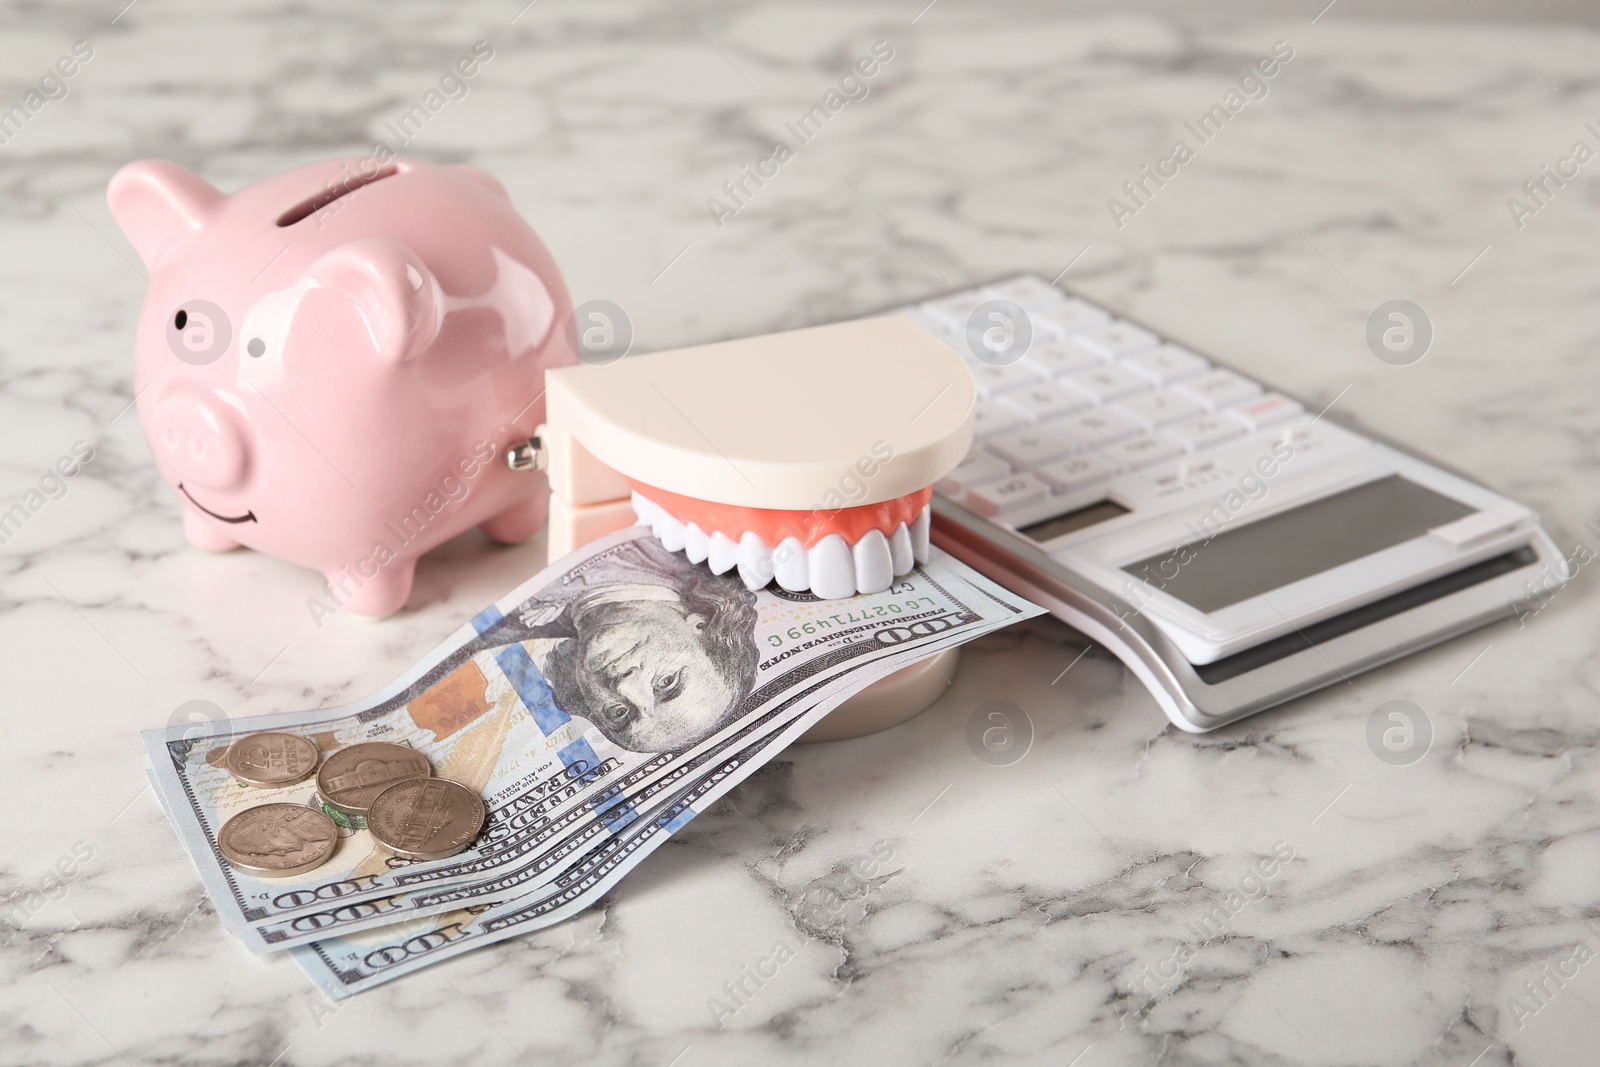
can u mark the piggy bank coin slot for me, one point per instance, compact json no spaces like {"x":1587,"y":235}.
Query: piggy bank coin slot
{"x":333,"y":191}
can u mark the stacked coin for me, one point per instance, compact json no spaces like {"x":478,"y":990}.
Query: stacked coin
{"x":407,"y":810}
{"x":351,"y":779}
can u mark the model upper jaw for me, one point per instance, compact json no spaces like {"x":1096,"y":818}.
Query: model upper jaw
{"x":831,"y":554}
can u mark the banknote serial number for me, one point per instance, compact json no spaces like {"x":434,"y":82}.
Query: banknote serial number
{"x":848,"y":618}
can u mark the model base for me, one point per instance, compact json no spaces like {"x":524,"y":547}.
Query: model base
{"x":890,"y":701}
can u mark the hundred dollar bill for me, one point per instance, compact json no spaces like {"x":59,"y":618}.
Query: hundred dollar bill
{"x":583,"y":835}
{"x":548,"y":866}
{"x":343,"y":915}
{"x":355,"y":962}
{"x":340,"y":918}
{"x":619,"y":665}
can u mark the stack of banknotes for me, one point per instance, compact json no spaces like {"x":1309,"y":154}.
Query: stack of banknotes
{"x":596,"y":709}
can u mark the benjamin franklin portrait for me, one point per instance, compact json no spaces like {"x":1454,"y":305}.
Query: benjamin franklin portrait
{"x":656,"y":652}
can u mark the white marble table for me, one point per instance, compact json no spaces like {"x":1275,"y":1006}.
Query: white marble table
{"x":1044,"y":912}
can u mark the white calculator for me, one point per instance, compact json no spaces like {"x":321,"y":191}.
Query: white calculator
{"x":1233,"y":548}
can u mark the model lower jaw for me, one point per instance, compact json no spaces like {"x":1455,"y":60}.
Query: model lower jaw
{"x":831,"y":567}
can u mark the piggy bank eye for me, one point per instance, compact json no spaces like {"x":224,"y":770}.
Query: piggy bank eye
{"x":181,"y":319}
{"x":256,"y":347}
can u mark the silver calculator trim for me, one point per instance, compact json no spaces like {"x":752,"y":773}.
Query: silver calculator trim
{"x":1411,"y":623}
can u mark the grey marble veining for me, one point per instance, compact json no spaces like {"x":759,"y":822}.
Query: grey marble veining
{"x":1098,"y":902}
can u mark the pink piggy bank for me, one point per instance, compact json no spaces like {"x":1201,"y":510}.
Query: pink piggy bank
{"x":332,"y":363}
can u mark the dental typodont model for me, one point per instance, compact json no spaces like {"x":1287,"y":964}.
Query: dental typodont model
{"x":803,"y":457}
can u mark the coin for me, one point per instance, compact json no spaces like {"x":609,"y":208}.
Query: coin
{"x":351,"y":778}
{"x":278,"y":840}
{"x":426,"y":818}
{"x":272,"y":758}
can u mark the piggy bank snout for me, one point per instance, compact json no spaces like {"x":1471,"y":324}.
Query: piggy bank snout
{"x":199,"y":438}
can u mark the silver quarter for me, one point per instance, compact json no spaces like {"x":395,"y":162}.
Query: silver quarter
{"x":272,"y":759}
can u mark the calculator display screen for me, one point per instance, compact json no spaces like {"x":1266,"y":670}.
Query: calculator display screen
{"x":1235,"y":563}
{"x":1099,"y":511}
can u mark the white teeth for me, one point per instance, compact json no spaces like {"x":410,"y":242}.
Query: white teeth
{"x":832,"y":569}
{"x":874,"y":568}
{"x":789,"y":566}
{"x":723,"y":555}
{"x":900,"y":550}
{"x":833,"y":574}
{"x":696,"y":545}
{"x":755,"y":561}
{"x":669,"y":531}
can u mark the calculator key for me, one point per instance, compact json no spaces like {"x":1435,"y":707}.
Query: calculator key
{"x":1146,"y":450}
{"x":1029,"y":448}
{"x":1197,"y":465}
{"x":989,"y":417}
{"x":1304,"y":439}
{"x":954,"y":311}
{"x":1116,"y":340}
{"x":1106,"y":382}
{"x":1009,"y":494}
{"x":978,"y":468}
{"x":1043,"y":401}
{"x":1069,"y":316}
{"x":1156,"y":409}
{"x":1026,"y":290}
{"x":1218,"y":388}
{"x":1166,"y":364}
{"x":992,"y":380}
{"x":1205,"y":431}
{"x":1077,"y":472}
{"x":1266,"y":410}
{"x":1096,"y":428}
{"x":1053,"y":356}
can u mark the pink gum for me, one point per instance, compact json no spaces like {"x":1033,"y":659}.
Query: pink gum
{"x":773,"y":525}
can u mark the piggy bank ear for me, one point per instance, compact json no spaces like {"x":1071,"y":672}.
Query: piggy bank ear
{"x":160,"y":207}
{"x":395,"y":294}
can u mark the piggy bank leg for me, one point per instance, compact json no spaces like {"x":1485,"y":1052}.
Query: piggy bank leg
{"x":383,"y":594}
{"x":518,"y":522}
{"x":202,"y":533}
